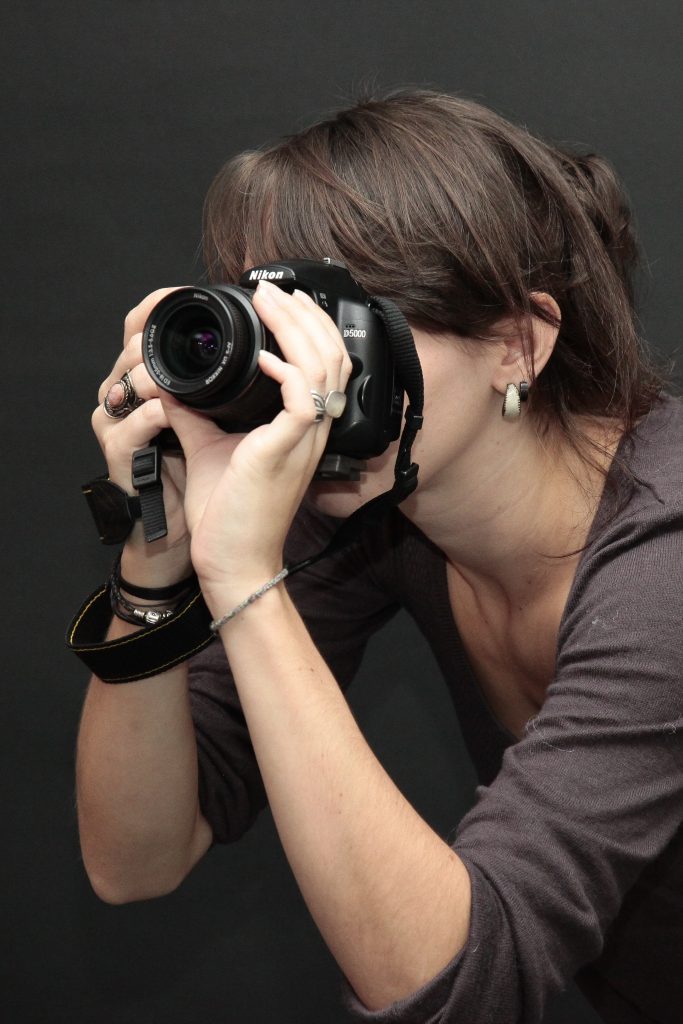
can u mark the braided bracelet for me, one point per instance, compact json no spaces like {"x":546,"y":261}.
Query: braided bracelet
{"x":146,"y":615}
{"x":217,"y":623}
{"x":129,"y":612}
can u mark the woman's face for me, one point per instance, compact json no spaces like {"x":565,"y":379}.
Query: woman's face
{"x":459,"y":416}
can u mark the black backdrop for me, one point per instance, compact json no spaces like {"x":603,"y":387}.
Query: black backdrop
{"x":115,"y":117}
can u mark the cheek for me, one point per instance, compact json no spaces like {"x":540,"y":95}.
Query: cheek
{"x":443,"y":423}
{"x":455,"y":421}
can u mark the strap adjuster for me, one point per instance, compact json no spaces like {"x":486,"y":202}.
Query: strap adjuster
{"x":146,"y":475}
{"x":146,"y":467}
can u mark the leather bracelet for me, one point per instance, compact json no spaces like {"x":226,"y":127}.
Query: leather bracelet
{"x":151,"y":593}
{"x":128,"y":612}
{"x":158,"y":593}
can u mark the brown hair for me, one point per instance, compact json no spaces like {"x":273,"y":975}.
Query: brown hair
{"x":457,"y":215}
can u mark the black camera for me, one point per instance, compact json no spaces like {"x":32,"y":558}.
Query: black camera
{"x":202,"y":344}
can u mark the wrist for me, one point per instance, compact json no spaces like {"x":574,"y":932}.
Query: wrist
{"x":165,"y":567}
{"x":226,"y":597}
{"x":145,"y":605}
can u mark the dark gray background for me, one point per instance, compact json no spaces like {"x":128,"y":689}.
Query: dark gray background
{"x":116,"y":117}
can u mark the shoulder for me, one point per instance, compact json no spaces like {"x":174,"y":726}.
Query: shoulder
{"x":644,"y":539}
{"x":622,"y":621}
{"x":654,"y":453}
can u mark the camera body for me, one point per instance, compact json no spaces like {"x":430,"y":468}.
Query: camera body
{"x":202,"y":344}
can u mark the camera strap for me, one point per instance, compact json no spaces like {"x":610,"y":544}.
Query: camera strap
{"x":405,"y":470}
{"x":137,"y":655}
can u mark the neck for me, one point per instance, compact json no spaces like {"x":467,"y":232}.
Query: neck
{"x":513,"y":530}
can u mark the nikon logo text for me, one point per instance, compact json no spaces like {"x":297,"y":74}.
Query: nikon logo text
{"x":266,"y":275}
{"x":354,"y":332}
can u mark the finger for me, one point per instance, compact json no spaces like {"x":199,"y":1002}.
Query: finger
{"x":133,"y":326}
{"x":120,"y":438}
{"x":192,"y":428}
{"x":144,"y":385}
{"x":325,"y":321}
{"x":304,"y":342}
{"x":130,"y":356}
{"x":136,"y":319}
{"x":299,"y":413}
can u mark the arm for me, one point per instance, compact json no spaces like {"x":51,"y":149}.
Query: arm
{"x":136,"y":779}
{"x":591,"y":796}
{"x":389,"y":896}
{"x":342,"y":603}
{"x":137,"y":774}
{"x":343,"y":608}
{"x":140,"y":824}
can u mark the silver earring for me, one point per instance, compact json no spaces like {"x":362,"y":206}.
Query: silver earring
{"x":514,"y":396}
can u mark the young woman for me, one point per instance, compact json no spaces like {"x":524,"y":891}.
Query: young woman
{"x":540,"y":555}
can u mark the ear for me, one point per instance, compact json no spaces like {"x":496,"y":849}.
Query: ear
{"x":519,"y":361}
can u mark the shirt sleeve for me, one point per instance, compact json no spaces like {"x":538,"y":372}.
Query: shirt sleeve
{"x":342,"y":607}
{"x":589,"y":796}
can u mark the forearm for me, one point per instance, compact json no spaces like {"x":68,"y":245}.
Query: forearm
{"x":388,"y":895}
{"x":140,"y":825}
{"x":136,"y":780}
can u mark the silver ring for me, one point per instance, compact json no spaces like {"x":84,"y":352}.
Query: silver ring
{"x":319,"y":403}
{"x":335,"y":403}
{"x":130,"y":399}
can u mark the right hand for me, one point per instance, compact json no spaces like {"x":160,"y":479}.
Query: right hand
{"x":163,"y":561}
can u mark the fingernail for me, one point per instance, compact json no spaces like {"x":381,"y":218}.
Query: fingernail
{"x":270,"y":293}
{"x":305,"y":297}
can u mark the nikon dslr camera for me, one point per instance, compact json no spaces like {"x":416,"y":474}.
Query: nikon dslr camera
{"x":202,"y":344}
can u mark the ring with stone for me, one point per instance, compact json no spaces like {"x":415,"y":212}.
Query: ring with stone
{"x":130,"y":399}
{"x":335,"y":403}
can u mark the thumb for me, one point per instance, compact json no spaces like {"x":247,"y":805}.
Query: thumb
{"x":193,"y":429}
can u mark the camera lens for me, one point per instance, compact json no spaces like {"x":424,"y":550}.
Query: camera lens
{"x":204,"y":345}
{"x":191,"y":343}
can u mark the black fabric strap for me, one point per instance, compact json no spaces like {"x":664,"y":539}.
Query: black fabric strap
{"x":139,"y":655}
{"x":114,"y":511}
{"x":409,"y":371}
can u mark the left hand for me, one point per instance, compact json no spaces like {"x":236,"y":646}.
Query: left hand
{"x":243,"y":491}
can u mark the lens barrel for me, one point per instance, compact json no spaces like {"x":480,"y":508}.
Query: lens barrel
{"x":202,"y":345}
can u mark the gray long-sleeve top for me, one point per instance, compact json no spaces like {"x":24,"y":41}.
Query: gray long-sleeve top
{"x":574,"y":846}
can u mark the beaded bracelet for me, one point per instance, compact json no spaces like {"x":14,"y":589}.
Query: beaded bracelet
{"x":217,"y":623}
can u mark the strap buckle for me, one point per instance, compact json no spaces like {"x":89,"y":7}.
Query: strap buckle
{"x":146,"y":475}
{"x":414,"y":420}
{"x":406,"y":479}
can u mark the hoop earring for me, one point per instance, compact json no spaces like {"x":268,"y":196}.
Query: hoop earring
{"x":514,"y":396}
